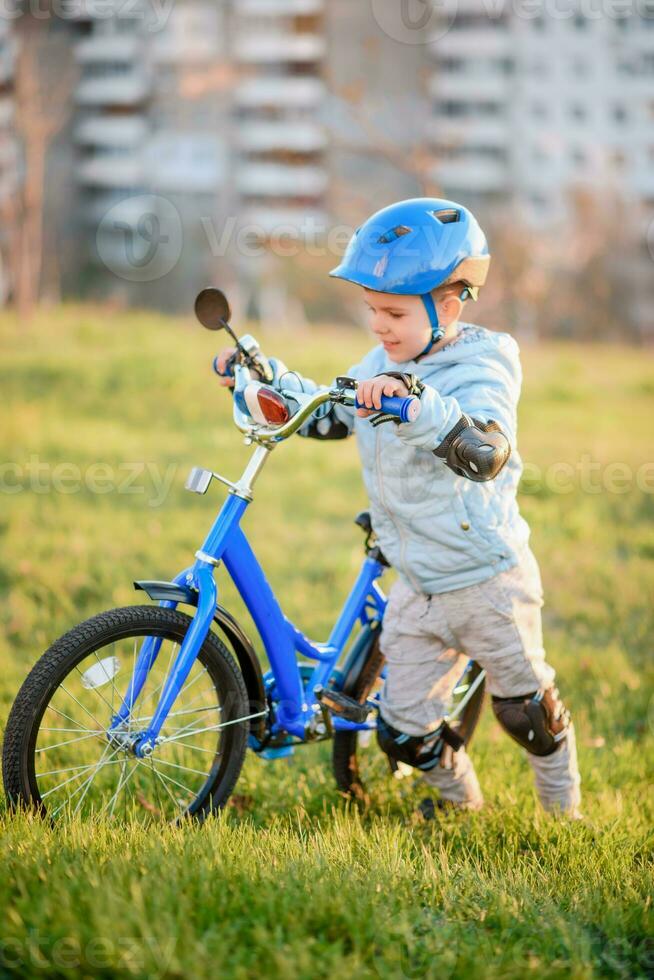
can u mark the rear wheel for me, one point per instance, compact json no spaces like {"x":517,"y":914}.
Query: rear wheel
{"x":58,"y":759}
{"x":355,"y":753}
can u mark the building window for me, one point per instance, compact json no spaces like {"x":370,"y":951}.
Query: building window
{"x":620,"y":113}
{"x":578,"y":112}
{"x":454,"y":109}
{"x":578,"y":156}
{"x":538,"y":200}
{"x":453,"y":65}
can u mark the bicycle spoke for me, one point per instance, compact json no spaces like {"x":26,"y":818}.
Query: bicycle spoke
{"x":87,"y":785}
{"x":197,"y":677}
{"x":198,"y":748}
{"x":57,"y":745}
{"x":156,"y":784}
{"x":63,"y":714}
{"x":91,"y":731}
{"x":131,"y":773}
{"x":121,"y":782}
{"x":97,"y":691}
{"x":165,"y":786}
{"x":190,"y":724}
{"x":163,"y":680}
{"x":66,"y":691}
{"x":59,"y":772}
{"x":175,"y":765}
{"x":210,"y":728}
{"x":165,"y":775}
{"x":71,"y":778}
{"x":176,"y":714}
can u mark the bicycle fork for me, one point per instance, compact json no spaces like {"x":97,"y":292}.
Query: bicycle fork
{"x":143,"y":744}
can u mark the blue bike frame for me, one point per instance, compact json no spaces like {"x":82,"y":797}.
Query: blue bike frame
{"x":296,"y":705}
{"x":295,"y":710}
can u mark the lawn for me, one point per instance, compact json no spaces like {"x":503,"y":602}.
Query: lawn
{"x":103,"y":415}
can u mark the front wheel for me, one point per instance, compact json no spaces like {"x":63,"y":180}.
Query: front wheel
{"x":58,"y":759}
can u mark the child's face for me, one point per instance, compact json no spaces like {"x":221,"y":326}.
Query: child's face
{"x":400,"y":322}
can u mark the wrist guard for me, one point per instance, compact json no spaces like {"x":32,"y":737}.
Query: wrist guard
{"x":474,"y":449}
{"x":412,"y":381}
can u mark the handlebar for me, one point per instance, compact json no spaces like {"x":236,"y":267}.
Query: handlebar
{"x":406,"y":409}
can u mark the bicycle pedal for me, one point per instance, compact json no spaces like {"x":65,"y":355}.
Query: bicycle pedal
{"x":342,"y":705}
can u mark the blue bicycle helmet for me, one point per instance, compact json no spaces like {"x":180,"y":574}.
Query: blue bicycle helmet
{"x":411,"y":247}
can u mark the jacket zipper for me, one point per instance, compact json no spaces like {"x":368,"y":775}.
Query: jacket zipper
{"x":398,"y":529}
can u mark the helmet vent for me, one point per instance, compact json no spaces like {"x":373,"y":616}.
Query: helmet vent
{"x":390,"y":236}
{"x":448,"y":216}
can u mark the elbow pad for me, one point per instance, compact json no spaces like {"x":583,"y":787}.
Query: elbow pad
{"x":474,"y":449}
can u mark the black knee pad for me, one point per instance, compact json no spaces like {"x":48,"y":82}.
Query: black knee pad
{"x":420,"y":751}
{"x":539,"y":721}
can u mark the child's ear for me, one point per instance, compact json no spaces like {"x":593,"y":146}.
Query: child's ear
{"x":450,"y":308}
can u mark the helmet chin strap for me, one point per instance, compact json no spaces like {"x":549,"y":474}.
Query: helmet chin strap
{"x":437,"y":332}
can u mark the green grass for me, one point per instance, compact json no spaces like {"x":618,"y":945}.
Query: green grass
{"x":288,"y":882}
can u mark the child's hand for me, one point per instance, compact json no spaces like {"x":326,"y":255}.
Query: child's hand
{"x":370,"y":392}
{"x":221,"y":361}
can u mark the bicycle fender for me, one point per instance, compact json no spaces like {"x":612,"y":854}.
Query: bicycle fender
{"x":238,"y":639}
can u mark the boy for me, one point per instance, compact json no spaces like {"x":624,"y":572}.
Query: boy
{"x":443,"y":504}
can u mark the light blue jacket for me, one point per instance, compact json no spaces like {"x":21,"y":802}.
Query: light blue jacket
{"x":439,"y":530}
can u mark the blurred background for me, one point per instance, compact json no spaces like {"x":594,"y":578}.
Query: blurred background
{"x":149,"y":147}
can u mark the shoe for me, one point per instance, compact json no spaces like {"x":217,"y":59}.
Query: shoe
{"x":428,"y":809}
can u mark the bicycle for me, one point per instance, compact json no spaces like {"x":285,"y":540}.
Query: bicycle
{"x":147,"y":711}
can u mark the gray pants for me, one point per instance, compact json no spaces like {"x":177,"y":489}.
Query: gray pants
{"x":427,"y":641}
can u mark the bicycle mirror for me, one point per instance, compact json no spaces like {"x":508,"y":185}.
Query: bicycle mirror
{"x":212,"y":308}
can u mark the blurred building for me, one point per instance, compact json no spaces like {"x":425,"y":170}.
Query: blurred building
{"x":204,"y":129}
{"x":8,"y":149}
{"x":279,"y":50}
{"x":526,"y":106}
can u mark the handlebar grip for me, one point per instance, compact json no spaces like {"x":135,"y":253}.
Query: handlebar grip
{"x":229,"y":366}
{"x":406,"y":409}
